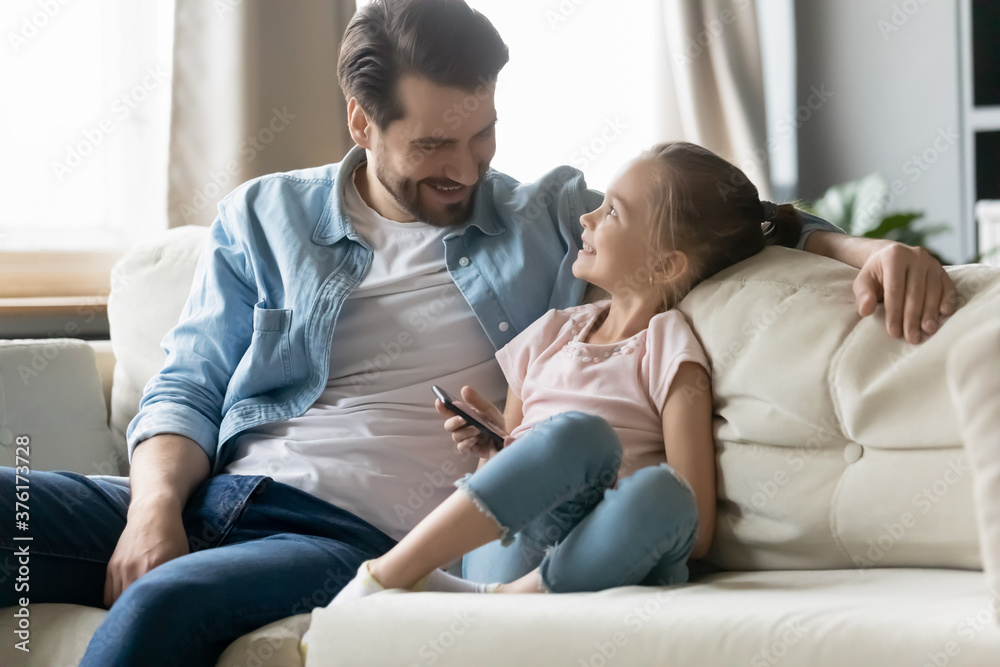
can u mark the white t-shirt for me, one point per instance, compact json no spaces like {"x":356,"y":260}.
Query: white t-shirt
{"x":373,"y":443}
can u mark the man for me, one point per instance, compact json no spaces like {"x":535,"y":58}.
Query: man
{"x":291,"y":433}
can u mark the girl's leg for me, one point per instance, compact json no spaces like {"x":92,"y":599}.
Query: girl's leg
{"x":641,"y":533}
{"x":570,"y":458}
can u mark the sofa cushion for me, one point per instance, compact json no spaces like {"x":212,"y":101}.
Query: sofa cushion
{"x":792,"y":619}
{"x":60,"y":634}
{"x":975,"y":392}
{"x":149,"y":287}
{"x":50,"y":392}
{"x":837,"y":444}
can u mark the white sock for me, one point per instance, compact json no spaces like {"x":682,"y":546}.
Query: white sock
{"x":364,"y":584}
{"x":442,"y":582}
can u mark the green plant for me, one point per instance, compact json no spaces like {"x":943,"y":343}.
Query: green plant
{"x":858,"y":207}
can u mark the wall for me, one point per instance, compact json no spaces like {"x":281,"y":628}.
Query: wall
{"x":891,"y":71}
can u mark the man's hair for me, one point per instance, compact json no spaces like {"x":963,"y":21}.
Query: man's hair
{"x":445,"y":41}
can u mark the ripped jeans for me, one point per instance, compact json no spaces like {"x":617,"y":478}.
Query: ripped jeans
{"x":551,"y":493}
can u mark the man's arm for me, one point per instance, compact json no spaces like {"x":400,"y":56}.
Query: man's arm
{"x":204,"y":348}
{"x":164,"y":473}
{"x":173,"y":439}
{"x":916,"y":289}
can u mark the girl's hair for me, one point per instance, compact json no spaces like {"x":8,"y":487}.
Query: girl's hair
{"x":707,"y":208}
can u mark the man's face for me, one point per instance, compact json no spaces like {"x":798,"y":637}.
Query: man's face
{"x":432,"y":160}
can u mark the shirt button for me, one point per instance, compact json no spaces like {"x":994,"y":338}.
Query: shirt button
{"x":503,"y":325}
{"x":464,"y":261}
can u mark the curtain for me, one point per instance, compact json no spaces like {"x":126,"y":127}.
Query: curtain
{"x":712,"y":82}
{"x":254,"y":92}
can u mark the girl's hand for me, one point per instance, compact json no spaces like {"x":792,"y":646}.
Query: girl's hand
{"x":468,"y":438}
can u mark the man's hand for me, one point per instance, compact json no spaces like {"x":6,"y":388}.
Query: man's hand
{"x":154,"y":534}
{"x":166,"y":469}
{"x":916,"y":290}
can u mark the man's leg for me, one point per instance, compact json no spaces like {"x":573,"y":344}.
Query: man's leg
{"x":188,"y":610}
{"x":269,"y":554}
{"x":74,"y":523}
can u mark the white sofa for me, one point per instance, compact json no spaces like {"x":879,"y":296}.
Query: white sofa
{"x":845,"y":528}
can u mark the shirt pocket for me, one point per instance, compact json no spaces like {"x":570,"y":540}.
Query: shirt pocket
{"x":266,"y":364}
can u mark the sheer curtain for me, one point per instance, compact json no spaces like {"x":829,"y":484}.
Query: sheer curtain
{"x":591,"y":84}
{"x":254,"y":92}
{"x":712,"y":81}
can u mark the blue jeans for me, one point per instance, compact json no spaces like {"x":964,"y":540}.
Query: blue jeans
{"x":551,"y":492}
{"x":260,"y":551}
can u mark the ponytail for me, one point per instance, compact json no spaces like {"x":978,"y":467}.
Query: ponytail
{"x":782,"y":224}
{"x":706,"y":207}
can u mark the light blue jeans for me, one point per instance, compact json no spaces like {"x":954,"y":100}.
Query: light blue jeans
{"x":550,"y":491}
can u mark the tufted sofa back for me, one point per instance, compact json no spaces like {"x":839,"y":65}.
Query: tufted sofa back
{"x":837,"y":445}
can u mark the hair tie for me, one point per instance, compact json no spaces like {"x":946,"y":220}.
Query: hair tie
{"x":770,"y":209}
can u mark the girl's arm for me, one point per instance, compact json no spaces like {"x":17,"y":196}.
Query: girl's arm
{"x":512,"y":418}
{"x":690,"y":445}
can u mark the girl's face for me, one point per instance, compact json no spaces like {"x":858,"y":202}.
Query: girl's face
{"x":616,"y":235}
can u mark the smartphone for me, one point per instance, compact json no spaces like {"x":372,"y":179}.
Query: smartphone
{"x":494,"y":438}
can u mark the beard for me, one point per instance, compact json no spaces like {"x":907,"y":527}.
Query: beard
{"x":406,"y":192}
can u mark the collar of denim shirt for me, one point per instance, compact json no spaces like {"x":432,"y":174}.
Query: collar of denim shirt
{"x":334,"y":225}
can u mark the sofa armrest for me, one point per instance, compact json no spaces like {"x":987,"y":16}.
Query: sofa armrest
{"x":51,"y":392}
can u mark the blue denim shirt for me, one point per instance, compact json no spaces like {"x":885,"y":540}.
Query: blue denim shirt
{"x":253,"y":342}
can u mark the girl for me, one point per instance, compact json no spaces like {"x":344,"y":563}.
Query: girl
{"x":607,"y":477}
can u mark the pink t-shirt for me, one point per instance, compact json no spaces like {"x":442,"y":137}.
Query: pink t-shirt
{"x":626,"y":383}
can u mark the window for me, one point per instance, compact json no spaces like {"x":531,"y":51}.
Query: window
{"x":85,"y":136}
{"x":581,"y":85}
{"x":578,"y":88}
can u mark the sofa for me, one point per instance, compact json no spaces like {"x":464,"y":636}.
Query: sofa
{"x":846,"y":523}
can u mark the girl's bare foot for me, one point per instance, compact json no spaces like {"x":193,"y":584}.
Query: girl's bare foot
{"x":529,"y":583}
